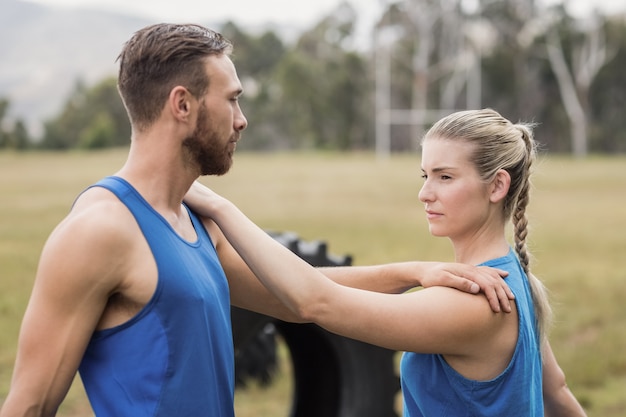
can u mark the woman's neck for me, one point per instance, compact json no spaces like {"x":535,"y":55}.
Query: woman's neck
{"x":477,"y":251}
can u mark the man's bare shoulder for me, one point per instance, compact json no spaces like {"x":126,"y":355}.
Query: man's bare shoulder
{"x":87,"y":258}
{"x":97,"y":237}
{"x":99,"y":212}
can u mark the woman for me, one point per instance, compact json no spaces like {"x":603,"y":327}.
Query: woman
{"x":462,"y":358}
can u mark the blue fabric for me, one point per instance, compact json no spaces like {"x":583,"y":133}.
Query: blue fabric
{"x":175,"y":357}
{"x":431,"y":387}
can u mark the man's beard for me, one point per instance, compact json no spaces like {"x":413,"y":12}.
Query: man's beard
{"x":205,"y":148}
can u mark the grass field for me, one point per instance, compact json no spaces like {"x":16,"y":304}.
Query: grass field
{"x":369,"y":209}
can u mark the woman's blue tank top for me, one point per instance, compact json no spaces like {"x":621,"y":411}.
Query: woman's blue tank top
{"x":431,"y":387}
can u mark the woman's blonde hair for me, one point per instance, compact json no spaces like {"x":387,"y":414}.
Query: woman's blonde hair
{"x":500,"y":144}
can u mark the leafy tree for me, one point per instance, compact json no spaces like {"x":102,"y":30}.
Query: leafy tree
{"x":255,"y":56}
{"x":4,"y":105}
{"x":607,"y":100}
{"x":99,"y":133}
{"x":311,"y":95}
{"x":92,"y":118}
{"x":21,"y":138}
{"x":326,"y":86}
{"x":257,"y":59}
{"x":511,"y":74}
{"x":15,"y":135}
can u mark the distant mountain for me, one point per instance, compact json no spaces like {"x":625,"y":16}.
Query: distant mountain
{"x":44,"y":51}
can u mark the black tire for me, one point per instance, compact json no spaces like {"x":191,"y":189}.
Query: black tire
{"x":334,"y":376}
{"x":338,"y":377}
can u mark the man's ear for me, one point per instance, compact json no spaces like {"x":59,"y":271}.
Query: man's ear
{"x":500,"y":186}
{"x":179,"y":103}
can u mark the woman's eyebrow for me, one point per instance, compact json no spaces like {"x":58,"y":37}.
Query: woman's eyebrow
{"x":439,"y":169}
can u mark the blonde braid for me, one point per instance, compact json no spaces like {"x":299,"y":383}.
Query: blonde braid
{"x":543,"y":311}
{"x":520,"y":222}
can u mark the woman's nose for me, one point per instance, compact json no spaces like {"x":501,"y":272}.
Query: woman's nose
{"x":424,"y":194}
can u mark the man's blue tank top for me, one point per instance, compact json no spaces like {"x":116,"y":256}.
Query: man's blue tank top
{"x":175,"y":357}
{"x":431,"y":387}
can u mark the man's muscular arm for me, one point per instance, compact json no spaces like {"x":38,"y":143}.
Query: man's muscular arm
{"x":75,"y":277}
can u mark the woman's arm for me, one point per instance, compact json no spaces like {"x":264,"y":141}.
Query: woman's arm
{"x":442,"y":320}
{"x":399,"y":277}
{"x":392,"y":278}
{"x":557,"y":397}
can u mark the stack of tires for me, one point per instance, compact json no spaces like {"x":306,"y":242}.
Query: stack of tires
{"x":333,"y":376}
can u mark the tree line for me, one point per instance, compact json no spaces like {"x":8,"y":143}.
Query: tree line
{"x":530,"y":62}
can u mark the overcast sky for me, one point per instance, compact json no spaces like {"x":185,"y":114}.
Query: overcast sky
{"x":262,"y":11}
{"x":240,"y":11}
{"x":296,"y":13}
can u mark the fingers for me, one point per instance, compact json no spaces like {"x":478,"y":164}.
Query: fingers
{"x":474,"y":280}
{"x":503,"y":298}
{"x":463,"y":284}
{"x":501,"y":272}
{"x":498,"y":293}
{"x":494,"y":300}
{"x":460,"y":283}
{"x":504,"y":274}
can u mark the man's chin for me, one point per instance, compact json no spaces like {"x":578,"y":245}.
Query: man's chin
{"x":219,"y":171}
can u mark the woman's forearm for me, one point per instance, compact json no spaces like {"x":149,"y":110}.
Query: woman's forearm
{"x":296,"y":283}
{"x":559,"y":401}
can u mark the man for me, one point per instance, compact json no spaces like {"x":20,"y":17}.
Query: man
{"x":131,"y":289}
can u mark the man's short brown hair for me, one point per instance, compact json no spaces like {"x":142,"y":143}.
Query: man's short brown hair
{"x":159,"y":57}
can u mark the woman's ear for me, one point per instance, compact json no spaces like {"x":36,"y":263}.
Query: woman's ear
{"x":500,"y":186}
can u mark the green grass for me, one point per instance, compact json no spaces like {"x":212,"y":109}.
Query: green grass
{"x":369,"y":209}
